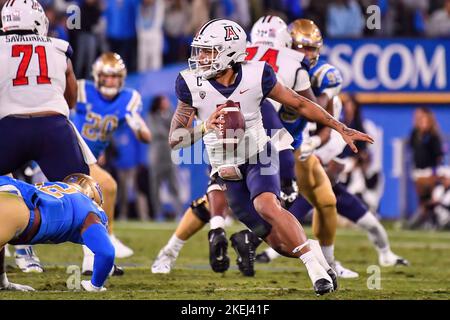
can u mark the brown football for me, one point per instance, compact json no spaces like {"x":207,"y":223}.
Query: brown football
{"x":230,"y":132}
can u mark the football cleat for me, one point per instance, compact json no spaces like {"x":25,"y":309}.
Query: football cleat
{"x":164,"y":262}
{"x":262,"y":257}
{"x":88,"y":286}
{"x":245,"y":243}
{"x":323,"y":286}
{"x":343,"y":272}
{"x":122,"y":251}
{"x":28,"y":261}
{"x":116,"y":271}
{"x":333,"y":277}
{"x":390,"y":259}
{"x":218,"y":247}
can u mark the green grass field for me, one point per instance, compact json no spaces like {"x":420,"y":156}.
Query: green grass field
{"x":428,"y":277}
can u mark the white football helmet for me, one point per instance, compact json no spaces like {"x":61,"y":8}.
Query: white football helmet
{"x":217,"y":46}
{"x":24,"y":15}
{"x":271,"y":31}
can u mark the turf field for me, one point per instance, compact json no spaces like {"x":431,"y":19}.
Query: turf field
{"x":428,"y":277}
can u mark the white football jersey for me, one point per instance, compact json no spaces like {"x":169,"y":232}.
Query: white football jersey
{"x":33,"y":76}
{"x":248,"y":93}
{"x":286,"y":63}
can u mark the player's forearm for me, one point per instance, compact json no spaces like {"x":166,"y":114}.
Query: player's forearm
{"x":314,"y":112}
{"x":305,"y":107}
{"x":71,"y":91}
{"x":181,"y":133}
{"x":96,"y":238}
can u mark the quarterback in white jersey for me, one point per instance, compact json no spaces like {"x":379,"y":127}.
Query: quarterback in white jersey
{"x":218,"y":70}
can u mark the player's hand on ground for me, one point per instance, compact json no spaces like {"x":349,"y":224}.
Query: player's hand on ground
{"x":214,"y":119}
{"x":6,"y":285}
{"x":351,"y":135}
{"x":88,"y":286}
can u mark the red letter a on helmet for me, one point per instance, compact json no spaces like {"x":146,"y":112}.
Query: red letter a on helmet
{"x":230,"y":34}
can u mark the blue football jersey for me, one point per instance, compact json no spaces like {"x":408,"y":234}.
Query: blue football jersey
{"x":63,"y":209}
{"x":324,"y":76}
{"x":97,"y":118}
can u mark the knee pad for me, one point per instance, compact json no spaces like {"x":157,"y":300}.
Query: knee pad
{"x":200,"y":210}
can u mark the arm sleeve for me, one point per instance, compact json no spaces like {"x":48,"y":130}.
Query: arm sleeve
{"x":69,"y":52}
{"x":182,"y":90}
{"x":269,"y":80}
{"x":96,"y":238}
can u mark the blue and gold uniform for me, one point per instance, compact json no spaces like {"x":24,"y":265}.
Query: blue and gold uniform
{"x":62,"y":207}
{"x":55,"y":212}
{"x":324,"y":76}
{"x":96,"y":118}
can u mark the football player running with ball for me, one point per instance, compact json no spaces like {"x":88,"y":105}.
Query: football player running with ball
{"x":218,"y":73}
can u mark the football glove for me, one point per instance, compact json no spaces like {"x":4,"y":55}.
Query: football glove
{"x":135,"y":121}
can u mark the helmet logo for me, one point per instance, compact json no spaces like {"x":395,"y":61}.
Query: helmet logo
{"x":230,"y":34}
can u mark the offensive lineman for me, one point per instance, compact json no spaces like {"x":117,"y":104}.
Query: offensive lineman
{"x":37,"y":89}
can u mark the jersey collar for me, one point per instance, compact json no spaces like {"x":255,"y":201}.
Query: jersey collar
{"x":228,"y":91}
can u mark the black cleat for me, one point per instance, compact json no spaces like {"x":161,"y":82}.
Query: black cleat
{"x":262,"y":258}
{"x":323,"y":286}
{"x":218,"y":246}
{"x":117,"y":271}
{"x":401,"y":262}
{"x":333,"y":277}
{"x":245,"y":243}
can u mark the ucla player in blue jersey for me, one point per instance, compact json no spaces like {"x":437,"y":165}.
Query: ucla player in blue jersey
{"x":103,"y":106}
{"x":56,"y":212}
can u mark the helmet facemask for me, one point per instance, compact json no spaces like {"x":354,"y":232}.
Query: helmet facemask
{"x":109,"y":64}
{"x":205,"y":61}
{"x":307,"y":47}
{"x":306,"y":35}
